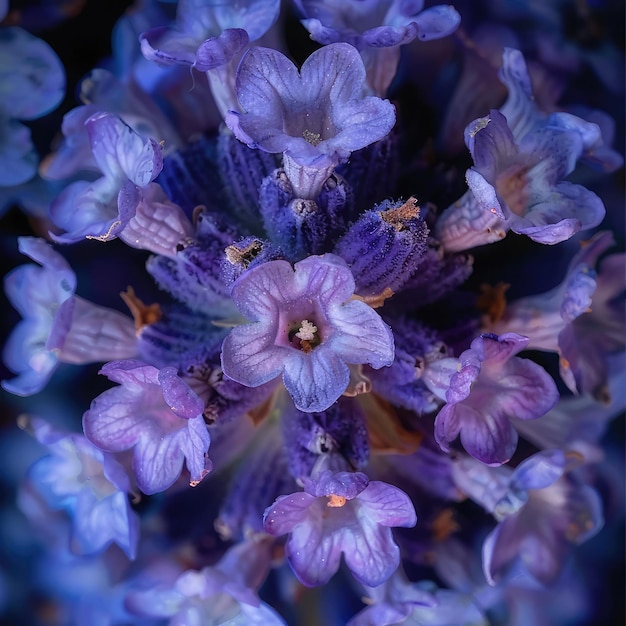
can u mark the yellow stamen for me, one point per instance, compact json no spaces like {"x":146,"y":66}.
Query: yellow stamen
{"x":143,"y":314}
{"x":335,"y":501}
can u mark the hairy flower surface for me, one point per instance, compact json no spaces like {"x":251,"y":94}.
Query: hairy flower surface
{"x":304,"y":327}
{"x":90,"y":485}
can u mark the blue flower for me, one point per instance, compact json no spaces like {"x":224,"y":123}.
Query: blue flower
{"x":58,"y":326}
{"x":29,"y":88}
{"x":155,"y":414}
{"x":305,"y":328}
{"x":316,"y":117}
{"x":100,"y":209}
{"x":342,"y":513}
{"x":90,"y":485}
{"x":224,"y":593}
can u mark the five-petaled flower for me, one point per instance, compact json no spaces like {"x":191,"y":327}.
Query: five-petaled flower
{"x":339,"y":513}
{"x":316,"y":117}
{"x":305,"y":327}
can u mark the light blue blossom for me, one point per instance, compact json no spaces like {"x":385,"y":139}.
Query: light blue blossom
{"x":304,"y":327}
{"x":57,"y":325}
{"x":29,"y":89}
{"x":91,"y":486}
{"x":221,"y":594}
{"x":100,"y":209}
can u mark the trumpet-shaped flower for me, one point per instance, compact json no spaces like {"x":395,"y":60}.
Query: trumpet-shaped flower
{"x":305,"y":327}
{"x":90,"y":485}
{"x":100,"y":209}
{"x":57,"y":326}
{"x":316,"y":117}
{"x":155,"y":414}
{"x":341,"y":513}
{"x":487,"y":387}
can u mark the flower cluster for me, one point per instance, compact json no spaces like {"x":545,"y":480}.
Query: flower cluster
{"x":370,"y":335}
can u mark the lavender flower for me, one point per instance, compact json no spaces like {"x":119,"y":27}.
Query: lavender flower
{"x":521,"y":157}
{"x":397,"y":601}
{"x":377,"y":29}
{"x":337,"y":514}
{"x":99,"y":210}
{"x":316,"y":117}
{"x":57,"y":326}
{"x":568,"y":314}
{"x":90,"y":485}
{"x":157,"y":416}
{"x":490,"y":385}
{"x":305,"y":327}
{"x":224,"y":593}
{"x":313,"y":314}
{"x":206,"y":34}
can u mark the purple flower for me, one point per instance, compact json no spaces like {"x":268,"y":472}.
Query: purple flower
{"x":521,"y":156}
{"x":315,"y":117}
{"x":91,"y":486}
{"x":551,"y":511}
{"x":521,"y":183}
{"x":337,"y":514}
{"x":57,"y":326}
{"x":375,"y":23}
{"x":30,"y":88}
{"x":488,"y":386}
{"x":155,"y":414}
{"x":377,"y":28}
{"x":305,"y":327}
{"x":398,"y":601}
{"x":100,"y":209}
{"x":575,"y":319}
{"x":221,"y":594}
{"x":210,"y":37}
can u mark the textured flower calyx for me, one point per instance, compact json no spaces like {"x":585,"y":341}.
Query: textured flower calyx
{"x":305,"y":327}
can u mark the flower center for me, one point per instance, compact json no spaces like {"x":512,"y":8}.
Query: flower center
{"x":313,"y":138}
{"x":335,"y":501}
{"x":304,"y":335}
{"x":512,"y":185}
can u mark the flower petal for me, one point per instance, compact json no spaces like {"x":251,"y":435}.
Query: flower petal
{"x":315,"y":380}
